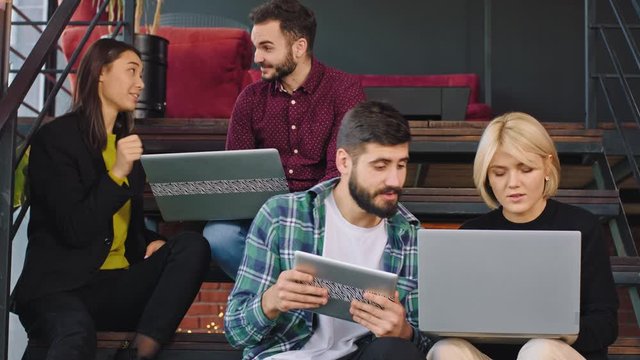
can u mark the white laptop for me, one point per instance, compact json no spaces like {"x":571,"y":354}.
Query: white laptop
{"x":499,"y":285}
{"x":214,"y":185}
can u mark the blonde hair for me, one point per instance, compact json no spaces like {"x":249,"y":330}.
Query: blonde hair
{"x":518,"y":134}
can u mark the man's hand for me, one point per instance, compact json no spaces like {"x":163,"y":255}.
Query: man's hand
{"x":153,"y":247}
{"x":388,"y":320}
{"x":292,"y":291}
{"x":128,"y":150}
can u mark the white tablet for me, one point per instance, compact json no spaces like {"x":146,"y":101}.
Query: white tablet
{"x":344,"y":281}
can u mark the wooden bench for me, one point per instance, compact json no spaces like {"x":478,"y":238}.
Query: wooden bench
{"x":425,"y":202}
{"x":183,"y":346}
{"x":626,"y":270}
{"x":215,"y":346}
{"x":625,"y":348}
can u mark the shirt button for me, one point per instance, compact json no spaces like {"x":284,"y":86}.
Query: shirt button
{"x":290,"y":171}
{"x":107,"y":241}
{"x":293,"y":102}
{"x":293,"y":127}
{"x":295,"y":151}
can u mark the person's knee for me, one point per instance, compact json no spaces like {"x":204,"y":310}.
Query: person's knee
{"x":449,"y":349}
{"x":192,"y":246}
{"x":226,"y":238}
{"x":231,"y":231}
{"x":540,"y":349}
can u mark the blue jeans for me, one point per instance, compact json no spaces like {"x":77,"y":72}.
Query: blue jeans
{"x":226,"y":240}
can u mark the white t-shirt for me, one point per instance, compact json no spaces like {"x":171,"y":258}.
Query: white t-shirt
{"x":334,"y":338}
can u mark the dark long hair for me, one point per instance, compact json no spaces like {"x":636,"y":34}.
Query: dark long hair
{"x":86,"y":100}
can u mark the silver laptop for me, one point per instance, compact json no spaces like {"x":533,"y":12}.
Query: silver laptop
{"x":214,"y":185}
{"x":499,"y":285}
{"x":344,"y":282}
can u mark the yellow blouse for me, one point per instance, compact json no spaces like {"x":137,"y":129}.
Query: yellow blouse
{"x":116,"y":259}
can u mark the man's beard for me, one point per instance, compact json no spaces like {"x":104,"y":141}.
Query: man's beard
{"x":283,"y":69}
{"x":366,"y":200}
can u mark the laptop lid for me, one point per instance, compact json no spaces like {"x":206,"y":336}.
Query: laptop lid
{"x":344,"y":282}
{"x":214,"y":185}
{"x":499,"y":285}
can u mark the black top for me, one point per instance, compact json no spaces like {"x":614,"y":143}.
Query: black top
{"x":73,"y":201}
{"x":598,"y":297}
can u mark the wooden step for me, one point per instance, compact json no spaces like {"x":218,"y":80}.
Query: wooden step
{"x":424,"y":202}
{"x":215,"y":346}
{"x":627,"y":346}
{"x":183,"y":346}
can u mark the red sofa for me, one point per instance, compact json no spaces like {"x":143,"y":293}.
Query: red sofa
{"x":475,"y":109}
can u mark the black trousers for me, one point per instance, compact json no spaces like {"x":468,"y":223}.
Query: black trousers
{"x":151,"y":298}
{"x":386,"y":348}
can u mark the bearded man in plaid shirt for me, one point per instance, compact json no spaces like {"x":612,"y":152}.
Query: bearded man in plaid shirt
{"x":355,"y":218}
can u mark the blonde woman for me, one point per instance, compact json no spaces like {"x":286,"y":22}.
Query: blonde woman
{"x":517,"y":171}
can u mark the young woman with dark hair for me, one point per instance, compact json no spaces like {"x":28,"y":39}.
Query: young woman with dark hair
{"x":91,"y":264}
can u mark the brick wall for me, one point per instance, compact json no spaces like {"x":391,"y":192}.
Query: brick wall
{"x":207,"y":311}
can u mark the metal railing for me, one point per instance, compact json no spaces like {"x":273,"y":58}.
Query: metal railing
{"x":599,"y":33}
{"x":599,"y":88}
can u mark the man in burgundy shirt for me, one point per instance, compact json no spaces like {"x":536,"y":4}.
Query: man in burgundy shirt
{"x":296,"y":108}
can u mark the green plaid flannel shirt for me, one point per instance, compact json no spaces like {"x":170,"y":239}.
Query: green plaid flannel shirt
{"x":296,"y":221}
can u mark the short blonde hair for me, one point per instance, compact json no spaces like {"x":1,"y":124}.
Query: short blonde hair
{"x":518,"y":134}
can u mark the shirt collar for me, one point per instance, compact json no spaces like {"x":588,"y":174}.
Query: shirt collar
{"x":311,"y":82}
{"x":322,"y":190}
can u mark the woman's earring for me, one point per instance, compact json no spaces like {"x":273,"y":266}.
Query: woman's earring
{"x":547,"y":178}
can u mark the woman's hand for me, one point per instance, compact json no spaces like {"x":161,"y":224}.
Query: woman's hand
{"x":153,"y":247}
{"x":128,"y":150}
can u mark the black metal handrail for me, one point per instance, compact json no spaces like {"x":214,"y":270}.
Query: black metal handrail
{"x":626,"y":31}
{"x":623,"y":78}
{"x":22,"y":82}
{"x":618,"y":124}
{"x":46,"y":73}
{"x":28,"y":21}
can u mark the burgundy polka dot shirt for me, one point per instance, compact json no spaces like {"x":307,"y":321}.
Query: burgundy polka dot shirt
{"x":302,"y":126}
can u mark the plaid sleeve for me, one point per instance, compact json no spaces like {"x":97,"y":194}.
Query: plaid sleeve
{"x":245,"y":323}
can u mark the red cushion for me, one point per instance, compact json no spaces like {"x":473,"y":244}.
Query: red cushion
{"x":206,"y":67}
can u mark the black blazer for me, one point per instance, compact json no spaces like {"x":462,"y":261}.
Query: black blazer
{"x":73,"y":200}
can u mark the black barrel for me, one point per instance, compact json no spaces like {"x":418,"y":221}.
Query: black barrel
{"x":154,"y":51}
